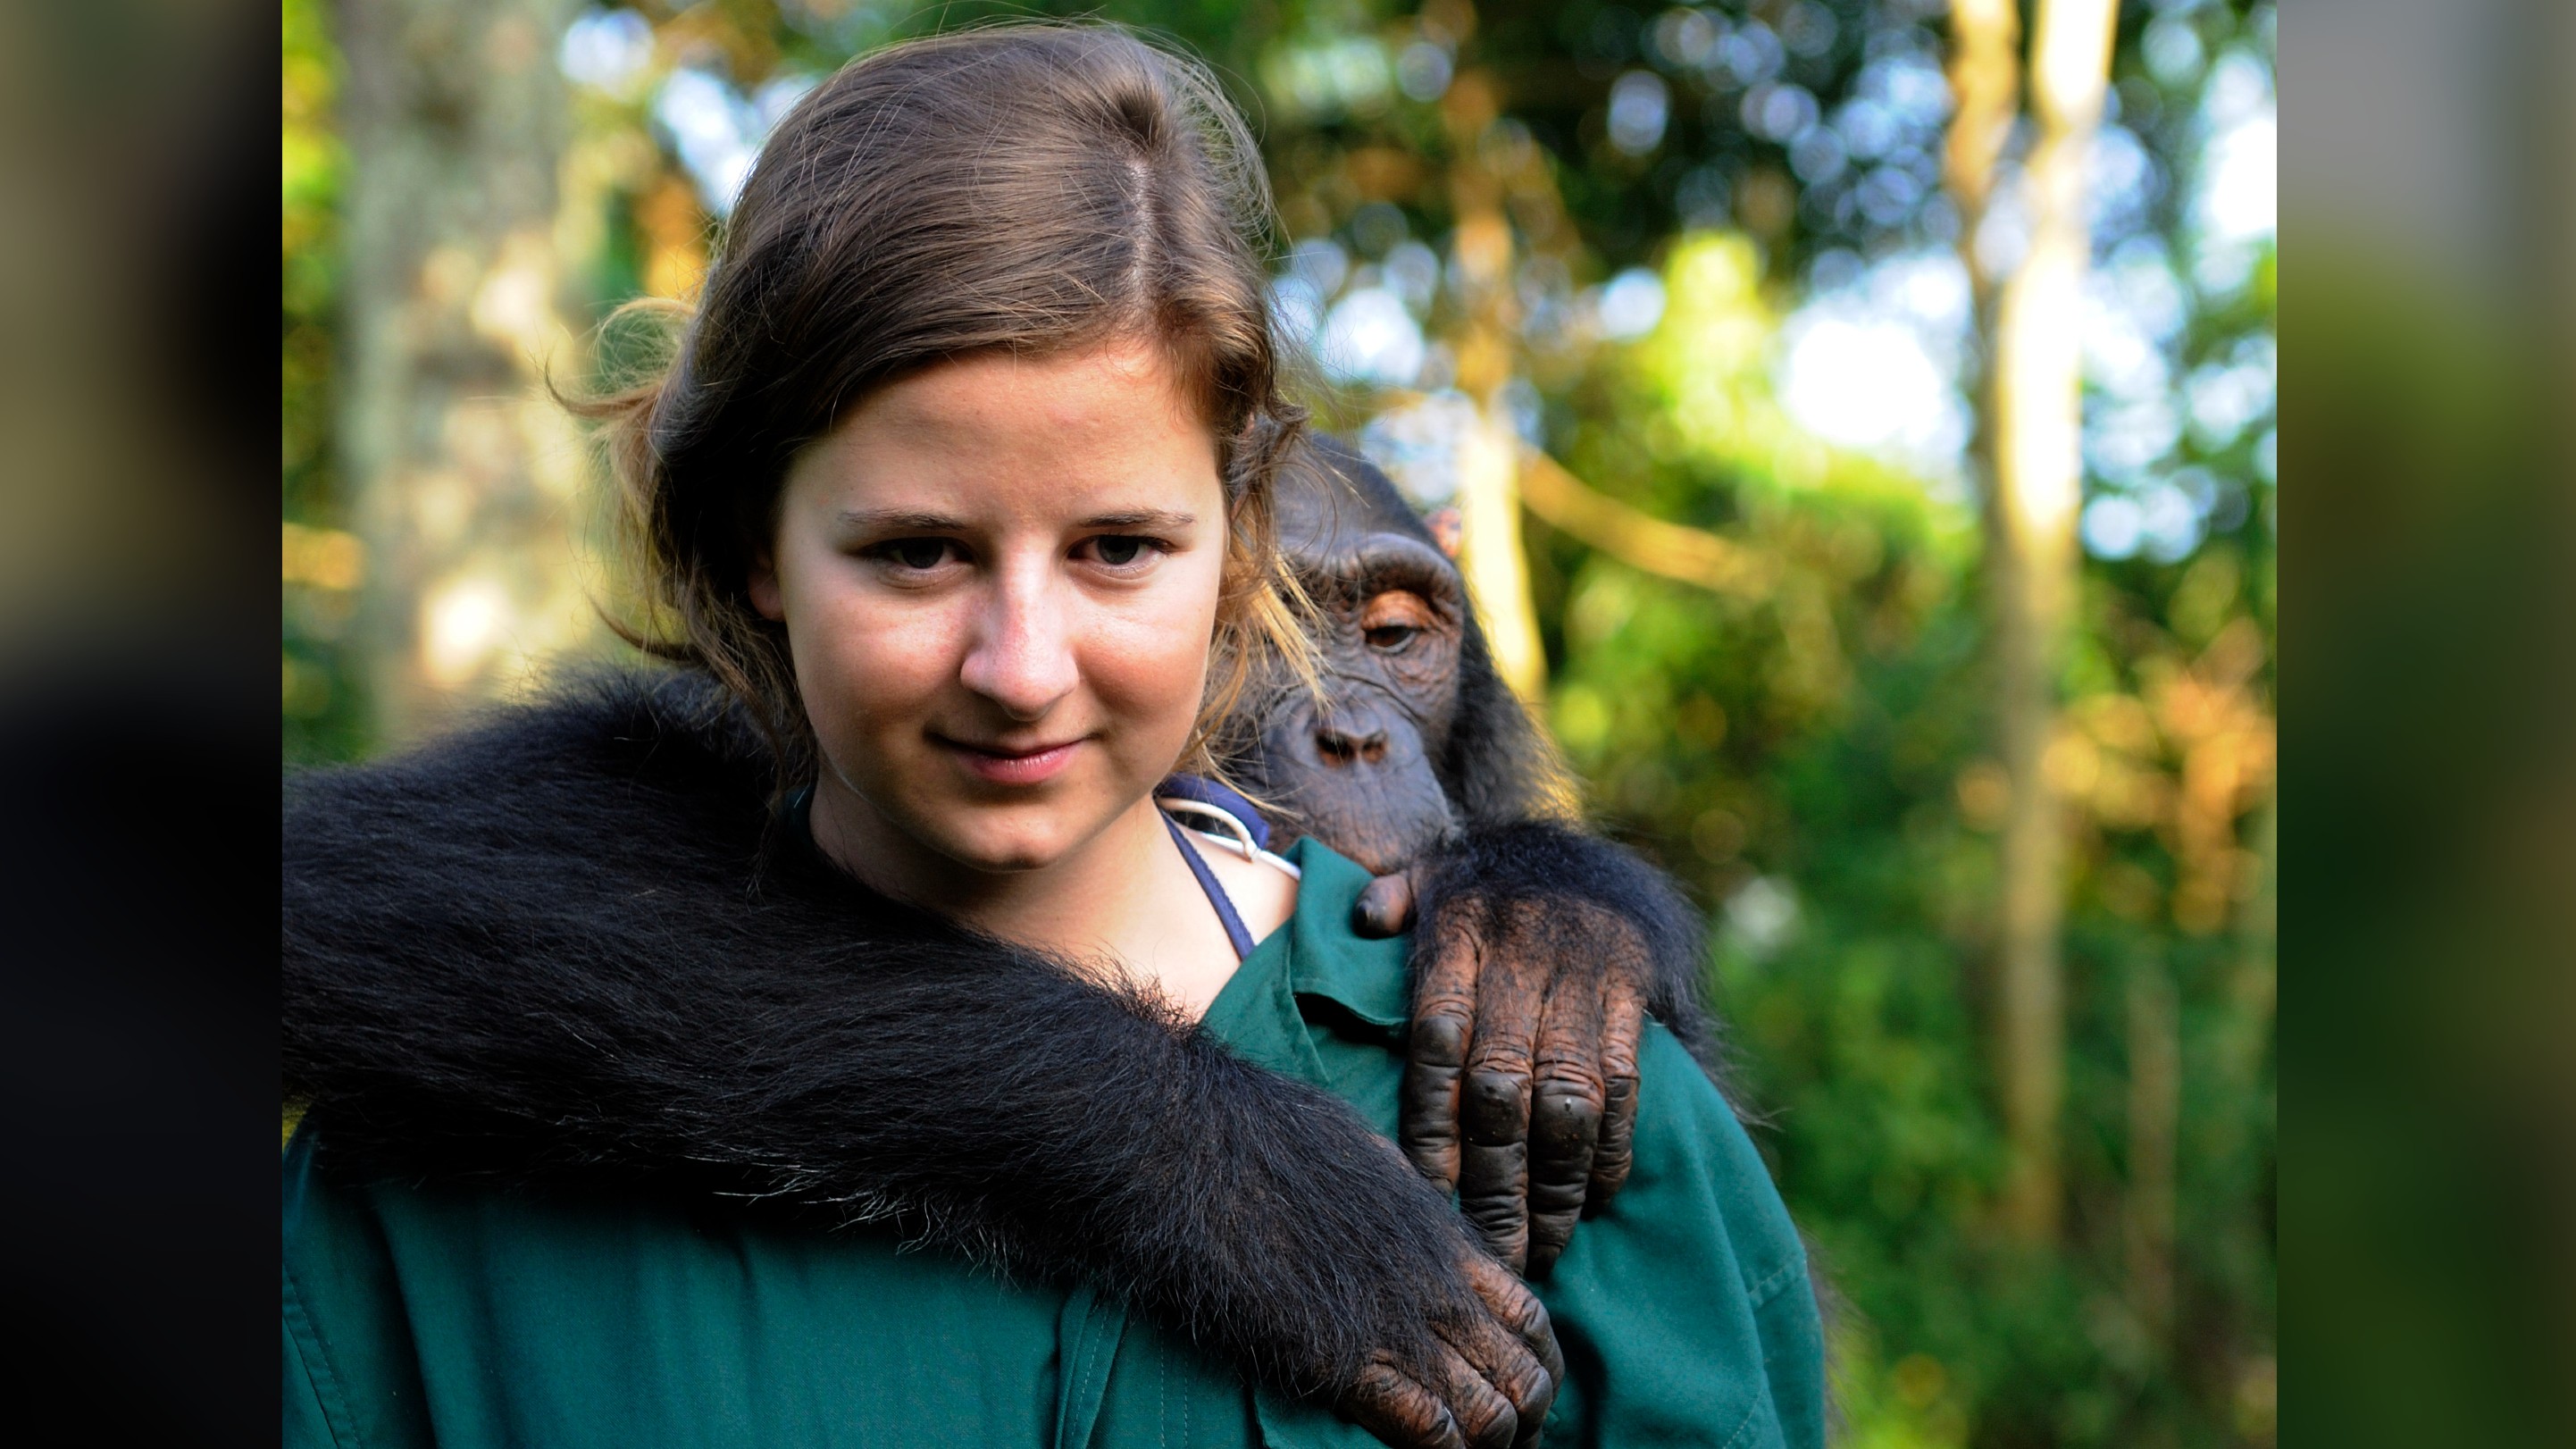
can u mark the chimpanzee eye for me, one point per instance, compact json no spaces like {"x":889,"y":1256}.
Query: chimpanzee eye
{"x":1391,"y":619}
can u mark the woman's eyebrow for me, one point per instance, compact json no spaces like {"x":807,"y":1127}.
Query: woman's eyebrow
{"x":914,"y":520}
{"x":1141,"y":518}
{"x":899,"y":520}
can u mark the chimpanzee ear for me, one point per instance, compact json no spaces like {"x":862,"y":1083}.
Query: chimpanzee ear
{"x":1446,"y":529}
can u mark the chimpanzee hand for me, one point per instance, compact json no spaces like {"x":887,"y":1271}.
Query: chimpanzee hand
{"x":1521,"y":1091}
{"x":1490,"y":1380}
{"x":1530,"y":996}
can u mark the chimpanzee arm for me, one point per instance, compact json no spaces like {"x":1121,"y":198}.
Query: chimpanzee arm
{"x":536,"y":954}
{"x":1540,"y":950}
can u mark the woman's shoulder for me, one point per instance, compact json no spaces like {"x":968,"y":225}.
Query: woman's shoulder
{"x":1688,"y":1141}
{"x":1689,"y":1138}
{"x":1693,"y":1155}
{"x":569,"y":808}
{"x":1690,"y":1285}
{"x":1263,"y":889}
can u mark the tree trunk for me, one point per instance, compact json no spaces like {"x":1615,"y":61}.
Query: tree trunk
{"x":1985,"y":76}
{"x":1489,"y":503}
{"x":464,"y":476}
{"x":2038,"y":474}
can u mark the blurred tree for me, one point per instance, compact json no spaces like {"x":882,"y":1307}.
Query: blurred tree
{"x":322,"y":713}
{"x":1488,"y":458}
{"x":464,"y":479}
{"x":2035,"y":421}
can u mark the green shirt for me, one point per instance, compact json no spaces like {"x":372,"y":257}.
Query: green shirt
{"x":468,"y":1317}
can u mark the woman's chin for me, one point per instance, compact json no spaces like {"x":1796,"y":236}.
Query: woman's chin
{"x":1005,"y":846}
{"x":1006,"y":859}
{"x":999,"y":837}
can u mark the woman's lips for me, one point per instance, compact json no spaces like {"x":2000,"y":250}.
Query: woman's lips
{"x":1014,"y":767}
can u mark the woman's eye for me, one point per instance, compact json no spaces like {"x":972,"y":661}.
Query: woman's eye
{"x":1121,"y":550}
{"x":919,"y":554}
{"x":1390,"y":636}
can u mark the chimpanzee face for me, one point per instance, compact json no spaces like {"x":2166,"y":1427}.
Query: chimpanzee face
{"x":1360,"y":768}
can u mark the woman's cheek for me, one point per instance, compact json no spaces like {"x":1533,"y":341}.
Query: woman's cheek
{"x":1148,"y":661}
{"x":881,"y":661}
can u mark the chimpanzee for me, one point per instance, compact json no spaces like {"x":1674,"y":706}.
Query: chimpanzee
{"x":573,"y":945}
{"x":1418,"y":763}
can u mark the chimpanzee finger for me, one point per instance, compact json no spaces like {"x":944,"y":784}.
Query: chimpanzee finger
{"x":1505,"y":1363}
{"x":1385,"y":908}
{"x":1447,"y":963}
{"x":1622,"y":1030}
{"x":1485,"y":1416}
{"x":1517,"y":1309}
{"x":1493,"y":1161}
{"x":1392,"y":1406}
{"x":1565,"y":1117}
{"x":1565,"y":1121}
{"x":1494,"y":1094}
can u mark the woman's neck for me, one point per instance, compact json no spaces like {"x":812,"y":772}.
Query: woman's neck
{"x":1125,"y":894}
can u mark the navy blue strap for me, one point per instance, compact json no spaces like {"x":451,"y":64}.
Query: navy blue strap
{"x":1225,"y":911}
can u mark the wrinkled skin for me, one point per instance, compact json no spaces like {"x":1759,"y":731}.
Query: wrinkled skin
{"x":1497,"y":1373}
{"x":1493,"y":1387}
{"x":1354,"y":768}
{"x":1521,"y":1083}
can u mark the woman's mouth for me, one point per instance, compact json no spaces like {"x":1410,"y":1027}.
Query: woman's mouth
{"x":1014,"y":767}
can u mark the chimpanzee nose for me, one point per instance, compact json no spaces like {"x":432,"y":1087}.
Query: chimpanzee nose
{"x":1338,"y":745}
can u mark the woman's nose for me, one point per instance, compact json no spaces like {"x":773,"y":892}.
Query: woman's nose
{"x":1022,"y":658}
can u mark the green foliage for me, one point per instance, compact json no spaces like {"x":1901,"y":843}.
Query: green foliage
{"x":322,"y":710}
{"x":1801,"y":756}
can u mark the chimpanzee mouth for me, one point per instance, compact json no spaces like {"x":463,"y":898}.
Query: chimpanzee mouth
{"x":1383,"y":836}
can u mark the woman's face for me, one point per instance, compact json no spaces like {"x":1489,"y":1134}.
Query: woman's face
{"x":999,"y":579}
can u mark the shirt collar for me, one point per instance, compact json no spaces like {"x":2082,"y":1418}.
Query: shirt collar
{"x":1328,"y":959}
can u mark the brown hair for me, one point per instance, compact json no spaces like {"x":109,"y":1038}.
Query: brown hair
{"x":1033,"y":188}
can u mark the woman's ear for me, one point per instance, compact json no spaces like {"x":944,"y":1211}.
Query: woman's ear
{"x":764,"y":587}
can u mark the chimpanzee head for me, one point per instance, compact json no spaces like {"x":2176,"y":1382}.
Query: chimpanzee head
{"x":1413,"y":734}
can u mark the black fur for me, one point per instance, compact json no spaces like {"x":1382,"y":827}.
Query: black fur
{"x":569,"y":947}
{"x":1542,"y":860}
